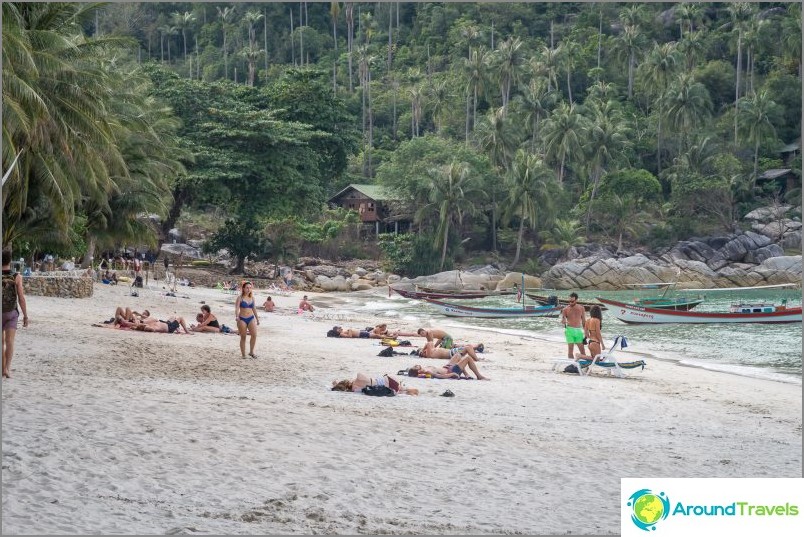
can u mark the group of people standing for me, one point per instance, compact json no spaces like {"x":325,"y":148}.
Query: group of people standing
{"x":580,"y":331}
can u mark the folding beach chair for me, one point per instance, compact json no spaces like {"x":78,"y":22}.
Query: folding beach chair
{"x":605,"y":359}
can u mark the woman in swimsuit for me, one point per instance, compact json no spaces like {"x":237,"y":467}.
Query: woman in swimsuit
{"x":247,"y":320}
{"x":594,"y":337}
{"x":207,"y":322}
{"x":362,"y":380}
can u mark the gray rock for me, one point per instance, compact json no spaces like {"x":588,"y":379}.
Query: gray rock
{"x":766,"y":252}
{"x":394,"y":278}
{"x":360,"y":271}
{"x":792,"y":240}
{"x":362,"y":285}
{"x":766,"y":214}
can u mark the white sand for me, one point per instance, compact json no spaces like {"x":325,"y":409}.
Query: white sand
{"x":108,"y":431}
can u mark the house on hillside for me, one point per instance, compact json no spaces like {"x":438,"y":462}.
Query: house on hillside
{"x":379,"y":209}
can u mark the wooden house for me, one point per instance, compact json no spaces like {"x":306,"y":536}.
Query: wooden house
{"x":377,"y":207}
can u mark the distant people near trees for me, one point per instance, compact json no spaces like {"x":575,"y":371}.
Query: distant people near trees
{"x":13,"y":296}
{"x":305,"y":305}
{"x":247,"y":319}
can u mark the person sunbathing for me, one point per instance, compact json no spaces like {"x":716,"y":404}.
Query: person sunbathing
{"x":439,"y":338}
{"x":130,"y":315}
{"x":168,"y":327}
{"x":337,"y":331}
{"x":382,"y":331}
{"x":459,"y":358}
{"x":362,"y":380}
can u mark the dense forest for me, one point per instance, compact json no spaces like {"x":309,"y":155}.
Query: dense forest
{"x":508,"y":129}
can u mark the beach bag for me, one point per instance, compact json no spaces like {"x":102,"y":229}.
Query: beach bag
{"x":379,"y":391}
{"x":9,"y":292}
{"x":387,"y":351}
{"x":138,"y":281}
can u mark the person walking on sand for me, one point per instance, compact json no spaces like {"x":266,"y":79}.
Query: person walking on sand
{"x":247,"y":320}
{"x":13,"y":295}
{"x":573,"y":316}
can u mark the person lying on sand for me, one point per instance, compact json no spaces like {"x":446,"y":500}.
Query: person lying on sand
{"x":382,"y":331}
{"x":130,"y":315}
{"x":362,"y":380}
{"x":459,"y":358}
{"x":170,"y":326}
{"x":441,"y":339}
{"x":337,"y":331}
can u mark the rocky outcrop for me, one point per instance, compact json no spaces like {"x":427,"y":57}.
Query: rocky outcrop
{"x":453,"y":280}
{"x":741,"y":259}
{"x":780,"y":223}
{"x":512,"y":278}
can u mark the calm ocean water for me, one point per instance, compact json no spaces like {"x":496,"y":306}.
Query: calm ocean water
{"x":758,"y":350}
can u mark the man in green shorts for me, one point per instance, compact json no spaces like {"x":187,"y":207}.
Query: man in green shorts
{"x":573,"y":317}
{"x":437,"y":336}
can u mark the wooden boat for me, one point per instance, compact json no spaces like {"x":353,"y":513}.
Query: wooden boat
{"x":459,"y":295}
{"x":663,"y":301}
{"x":456,"y":310}
{"x":553,"y":300}
{"x":738,"y":313}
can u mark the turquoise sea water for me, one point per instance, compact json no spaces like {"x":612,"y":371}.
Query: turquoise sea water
{"x":760,"y":350}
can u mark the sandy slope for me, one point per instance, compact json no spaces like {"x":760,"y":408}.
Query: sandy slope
{"x":108,"y":431}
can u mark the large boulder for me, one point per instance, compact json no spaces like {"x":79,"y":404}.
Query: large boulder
{"x":455,"y":280}
{"x":531,"y":282}
{"x":338,"y":283}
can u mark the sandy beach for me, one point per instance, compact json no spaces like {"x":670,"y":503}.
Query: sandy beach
{"x":112,"y":431}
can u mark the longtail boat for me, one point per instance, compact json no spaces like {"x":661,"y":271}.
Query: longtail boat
{"x":739,"y":312}
{"x":458,"y":310}
{"x":553,"y":300}
{"x":453,"y":295}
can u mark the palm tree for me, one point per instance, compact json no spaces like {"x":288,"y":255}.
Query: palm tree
{"x":451,"y":190}
{"x":754,"y":120}
{"x":570,"y":52}
{"x":55,"y":115}
{"x":693,"y":47}
{"x":334,"y":13}
{"x":656,"y":72}
{"x":606,"y":141}
{"x":741,"y":14}
{"x":365,"y":60}
{"x":687,"y":105}
{"x":439,"y":96}
{"x":416,"y":107}
{"x":476,"y":71}
{"x":509,"y":58}
{"x":629,"y":45}
{"x":182,"y":21}
{"x":546,"y":65}
{"x":252,"y":52}
{"x":528,"y":192}
{"x":565,"y":234}
{"x":497,"y":138}
{"x":225,"y":14}
{"x":537,"y":100}
{"x":563,"y":133}
{"x":350,"y":31}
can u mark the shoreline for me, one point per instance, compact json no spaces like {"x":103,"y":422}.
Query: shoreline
{"x":115,"y":431}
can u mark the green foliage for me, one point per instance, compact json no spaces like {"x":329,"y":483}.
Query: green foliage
{"x":241,"y":237}
{"x":410,"y":254}
{"x":565,"y":234}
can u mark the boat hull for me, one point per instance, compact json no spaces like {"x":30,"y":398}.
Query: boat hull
{"x":455,"y":310}
{"x":545,"y":301}
{"x":421,"y":295}
{"x":630,"y":313}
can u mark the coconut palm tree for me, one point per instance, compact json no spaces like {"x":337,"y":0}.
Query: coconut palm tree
{"x":350,"y":32}
{"x":538,"y":100}
{"x":182,"y":21}
{"x":529,"y":190}
{"x":476,"y":72}
{"x":563,"y":133}
{"x":606,"y":142}
{"x":334,"y":13}
{"x":687,"y":106}
{"x":225,"y":14}
{"x":439,"y":98}
{"x":252,"y":52}
{"x":741,"y":14}
{"x":509,"y":58}
{"x":569,"y":54}
{"x":754,"y":121}
{"x":451,"y":191}
{"x":656,"y":73}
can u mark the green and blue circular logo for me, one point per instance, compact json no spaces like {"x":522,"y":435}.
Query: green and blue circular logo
{"x":648,"y":508}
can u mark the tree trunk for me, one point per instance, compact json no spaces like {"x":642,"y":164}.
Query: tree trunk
{"x":737,"y":83}
{"x":444,"y":246}
{"x":225,"y":55}
{"x":180,"y":198}
{"x":596,"y":180}
{"x":292,"y":42}
{"x":184,"y":38}
{"x":265,"y":37}
{"x":468,"y":104}
{"x":518,"y":242}
{"x":756,"y":162}
{"x":90,"y":251}
{"x":631,"y":75}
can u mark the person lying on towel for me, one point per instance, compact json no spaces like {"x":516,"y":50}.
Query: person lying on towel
{"x":362,"y":380}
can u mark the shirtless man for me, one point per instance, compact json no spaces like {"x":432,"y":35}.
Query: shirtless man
{"x":169,"y":326}
{"x":573,"y":316}
{"x":459,"y":359}
{"x":305,"y":305}
{"x":438,"y":337}
{"x":350,"y":332}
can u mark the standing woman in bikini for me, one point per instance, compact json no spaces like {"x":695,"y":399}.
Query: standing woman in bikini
{"x":594,"y":337}
{"x":247,"y":320}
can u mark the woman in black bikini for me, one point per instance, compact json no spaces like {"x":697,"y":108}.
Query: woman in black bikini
{"x":594,"y":337}
{"x":247,"y":320}
{"x":207,"y":322}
